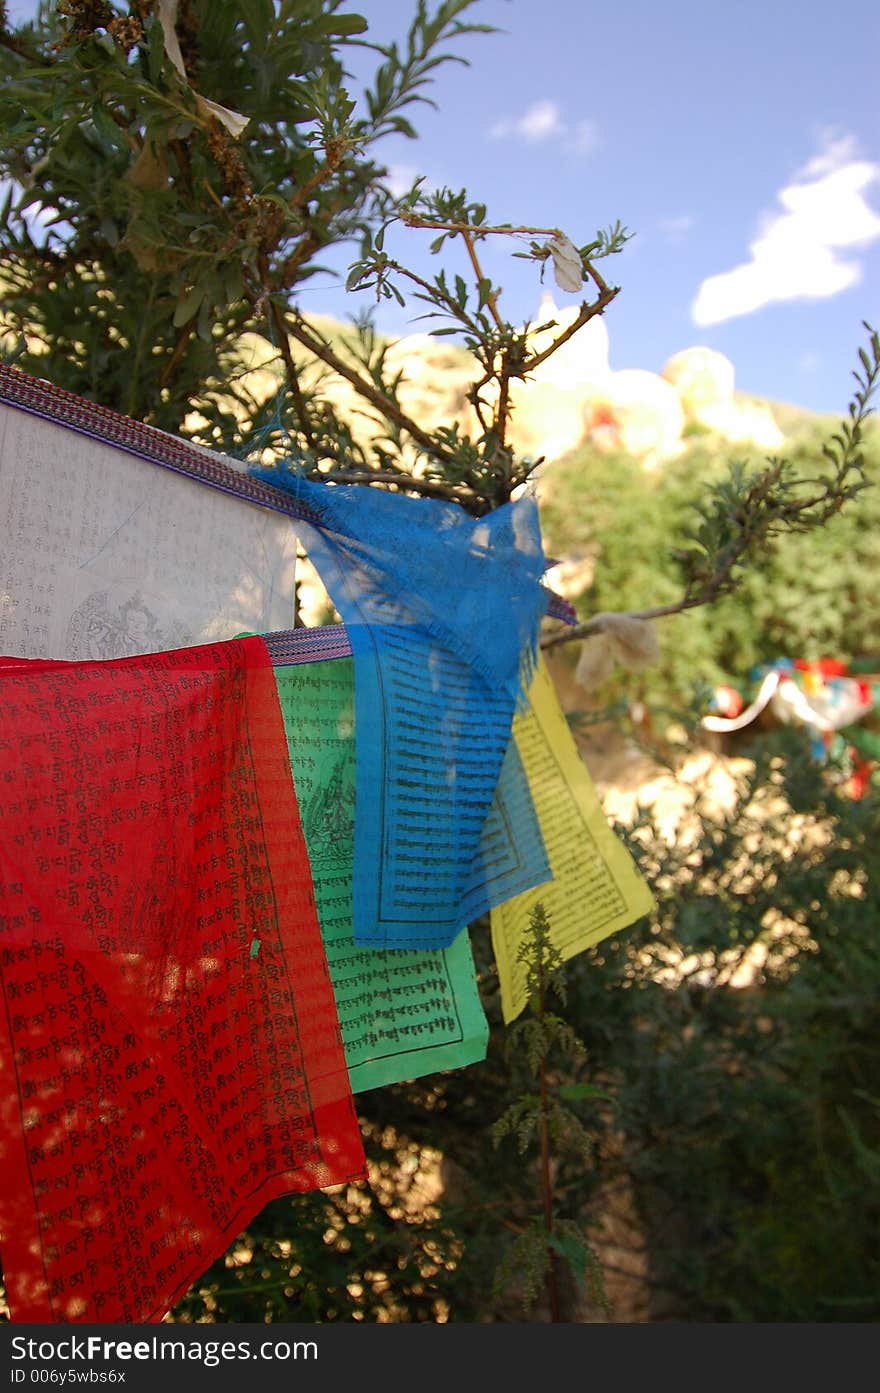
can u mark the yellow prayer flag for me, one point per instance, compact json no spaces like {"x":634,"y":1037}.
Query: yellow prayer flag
{"x":596,"y":887}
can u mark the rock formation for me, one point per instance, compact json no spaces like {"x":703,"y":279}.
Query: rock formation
{"x":572,"y":398}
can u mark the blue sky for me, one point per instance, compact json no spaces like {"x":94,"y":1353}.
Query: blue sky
{"x":739,"y":143}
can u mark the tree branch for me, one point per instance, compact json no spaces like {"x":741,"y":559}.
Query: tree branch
{"x":183,"y":339}
{"x":432,"y":225}
{"x":431,"y":488}
{"x":15,"y":46}
{"x":432,"y":293}
{"x":598,"y":623}
{"x":304,"y":334}
{"x":586,"y":313}
{"x":277,"y":321}
{"x":292,"y":376}
{"x":491,"y":300}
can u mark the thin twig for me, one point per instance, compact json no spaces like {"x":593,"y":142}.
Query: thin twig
{"x":784,"y":516}
{"x":183,"y":339}
{"x":600,"y":621}
{"x":292,"y":376}
{"x":277,"y":319}
{"x":305,"y":191}
{"x":431,"y":488}
{"x":431,"y":225}
{"x":304,"y":248}
{"x":212,"y":193}
{"x":478,"y":272}
{"x":586,"y":313}
{"x":502,"y":414}
{"x":433,"y":293}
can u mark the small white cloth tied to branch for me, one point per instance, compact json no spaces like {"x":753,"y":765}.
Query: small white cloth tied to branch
{"x":568,"y":268}
{"x":232,"y":120}
{"x":631,"y":643}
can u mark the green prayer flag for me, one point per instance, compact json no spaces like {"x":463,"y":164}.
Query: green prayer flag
{"x":402,"y":1013}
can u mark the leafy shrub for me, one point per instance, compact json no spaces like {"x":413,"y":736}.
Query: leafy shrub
{"x":748,"y":1116}
{"x":813,"y":595}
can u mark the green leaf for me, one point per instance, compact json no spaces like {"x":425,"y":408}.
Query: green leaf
{"x":204,"y":328}
{"x":340,"y":26}
{"x":187,"y":305}
{"x":579,"y":1092}
{"x":106,"y":127}
{"x":484,"y":290}
{"x":259,"y":16}
{"x":156,"y":49}
{"x":575,"y":1253}
{"x":233,"y":284}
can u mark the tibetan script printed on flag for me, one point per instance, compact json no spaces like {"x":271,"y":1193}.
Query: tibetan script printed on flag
{"x":106,"y":554}
{"x":596,"y":887}
{"x":170,"y":1047}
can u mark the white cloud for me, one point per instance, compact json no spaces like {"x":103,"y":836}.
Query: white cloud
{"x":538,"y":122}
{"x":796,"y":255}
{"x":400,"y":178}
{"x":836,"y":150}
{"x":676,"y":228}
{"x":542,"y":121}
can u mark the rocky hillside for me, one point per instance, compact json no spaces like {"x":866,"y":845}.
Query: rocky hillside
{"x":572,"y":398}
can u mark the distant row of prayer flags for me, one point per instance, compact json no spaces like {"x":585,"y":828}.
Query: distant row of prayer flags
{"x":237,"y":860}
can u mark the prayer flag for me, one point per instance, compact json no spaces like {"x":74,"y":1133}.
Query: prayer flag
{"x":596,"y":887}
{"x":170,"y":1047}
{"x":442,"y":611}
{"x":112,"y":548}
{"x":402,"y":1014}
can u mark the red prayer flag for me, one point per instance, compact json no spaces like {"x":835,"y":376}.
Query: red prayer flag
{"x":170,"y":1054}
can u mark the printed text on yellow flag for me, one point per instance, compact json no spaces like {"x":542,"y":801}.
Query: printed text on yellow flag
{"x":596,"y":887}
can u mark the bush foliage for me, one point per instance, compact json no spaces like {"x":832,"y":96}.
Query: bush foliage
{"x":741,"y":1111}
{"x":809,"y":595}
